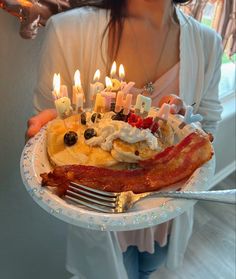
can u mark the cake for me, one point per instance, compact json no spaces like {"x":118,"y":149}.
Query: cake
{"x":116,"y":152}
{"x":110,"y":139}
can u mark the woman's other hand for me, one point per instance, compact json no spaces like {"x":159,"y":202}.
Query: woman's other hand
{"x":36,"y":122}
{"x":177,"y":104}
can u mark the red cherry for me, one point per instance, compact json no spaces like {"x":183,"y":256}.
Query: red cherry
{"x":135,"y":120}
{"x":147,"y":122}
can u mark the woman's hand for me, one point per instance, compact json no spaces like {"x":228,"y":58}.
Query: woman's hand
{"x":36,"y":122}
{"x":177,"y":104}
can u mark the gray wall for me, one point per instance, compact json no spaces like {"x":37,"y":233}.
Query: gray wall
{"x":32,"y":243}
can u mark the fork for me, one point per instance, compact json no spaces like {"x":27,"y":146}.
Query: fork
{"x":111,"y":202}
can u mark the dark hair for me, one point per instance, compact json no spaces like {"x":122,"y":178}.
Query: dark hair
{"x":116,"y":8}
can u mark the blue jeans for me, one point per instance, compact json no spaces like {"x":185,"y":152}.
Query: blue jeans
{"x":139,"y":265}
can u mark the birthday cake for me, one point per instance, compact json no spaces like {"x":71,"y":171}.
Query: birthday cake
{"x":116,"y":146}
{"x":114,"y":152}
{"x":110,"y":139}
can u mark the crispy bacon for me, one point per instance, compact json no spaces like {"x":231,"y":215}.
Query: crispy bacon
{"x":170,"y":166}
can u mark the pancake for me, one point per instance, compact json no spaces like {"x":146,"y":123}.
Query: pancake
{"x":116,"y":145}
{"x":80,"y":153}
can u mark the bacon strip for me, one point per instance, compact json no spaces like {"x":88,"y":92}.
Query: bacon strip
{"x":170,"y":166}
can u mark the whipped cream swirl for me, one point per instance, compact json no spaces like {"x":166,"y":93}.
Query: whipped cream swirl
{"x":108,"y":130}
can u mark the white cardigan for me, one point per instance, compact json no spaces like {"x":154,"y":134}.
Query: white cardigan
{"x":73,"y":41}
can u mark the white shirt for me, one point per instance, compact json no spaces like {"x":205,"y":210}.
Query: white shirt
{"x":73,"y":41}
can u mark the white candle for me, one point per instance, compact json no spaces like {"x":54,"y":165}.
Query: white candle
{"x":96,"y":86}
{"x":78,"y":98}
{"x":143,"y":105}
{"x":163,"y":112}
{"x":63,"y":107}
{"x":62,"y":103}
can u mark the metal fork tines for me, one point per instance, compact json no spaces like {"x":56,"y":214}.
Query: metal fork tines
{"x":92,"y":198}
{"x":110,"y":202}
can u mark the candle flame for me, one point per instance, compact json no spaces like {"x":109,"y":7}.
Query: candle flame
{"x":57,"y":84}
{"x":77,"y":78}
{"x":121,"y":72}
{"x":96,"y":76}
{"x":108,"y":82}
{"x":113,"y":69}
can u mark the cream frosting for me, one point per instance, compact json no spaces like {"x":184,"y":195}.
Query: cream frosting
{"x":108,"y":130}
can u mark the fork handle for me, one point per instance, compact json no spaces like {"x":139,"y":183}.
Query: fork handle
{"x":223,"y":196}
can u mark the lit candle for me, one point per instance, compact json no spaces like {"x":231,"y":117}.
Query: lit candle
{"x":143,"y":105}
{"x":100,"y":103}
{"x":62,"y":103}
{"x":113,"y":70}
{"x":64,"y":91}
{"x":121,"y":72}
{"x":115,"y":82}
{"x":122,"y":76}
{"x":78,"y":98}
{"x":163,"y":112}
{"x":107,"y":94}
{"x":96,"y":86}
{"x":56,"y":86}
{"x":124,"y":100}
{"x":189,"y":117}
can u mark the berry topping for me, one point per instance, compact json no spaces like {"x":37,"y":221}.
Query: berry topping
{"x":117,"y":117}
{"x":135,"y":120}
{"x":83,"y":118}
{"x":89,"y":133}
{"x":70,"y":138}
{"x":95,"y":116}
{"x":146,"y":123}
{"x":120,"y":116}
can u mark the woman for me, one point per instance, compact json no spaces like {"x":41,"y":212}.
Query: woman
{"x":163,"y":52}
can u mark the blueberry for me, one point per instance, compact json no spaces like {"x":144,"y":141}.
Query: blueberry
{"x":120,"y":116}
{"x":70,"y":138}
{"x":95,"y":116}
{"x":83,"y":118}
{"x":117,"y":116}
{"x":89,"y":133}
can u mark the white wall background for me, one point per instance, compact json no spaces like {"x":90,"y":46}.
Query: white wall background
{"x":32,"y":243}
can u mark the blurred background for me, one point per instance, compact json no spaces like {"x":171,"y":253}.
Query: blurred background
{"x":32,"y":243}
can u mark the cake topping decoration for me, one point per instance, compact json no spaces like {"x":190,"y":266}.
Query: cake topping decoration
{"x":116,"y":99}
{"x":89,"y":133}
{"x":70,"y":138}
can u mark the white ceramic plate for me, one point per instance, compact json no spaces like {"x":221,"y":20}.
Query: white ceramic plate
{"x":146,"y":213}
